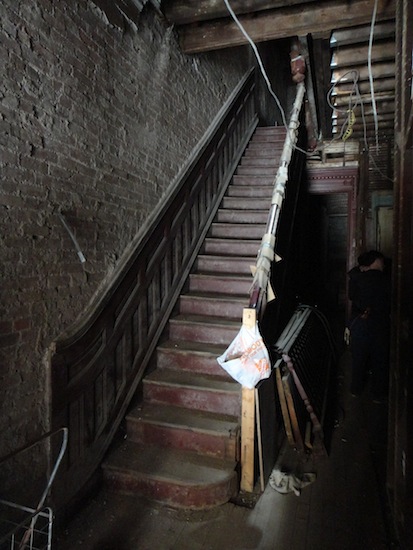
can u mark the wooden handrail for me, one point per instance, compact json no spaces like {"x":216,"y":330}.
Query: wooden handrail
{"x":255,"y":310}
{"x":266,"y":252}
{"x":98,"y":366}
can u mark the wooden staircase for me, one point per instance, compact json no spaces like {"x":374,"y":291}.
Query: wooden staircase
{"x":182,"y":445}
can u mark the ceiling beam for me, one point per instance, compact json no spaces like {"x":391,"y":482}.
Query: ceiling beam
{"x":385,"y":70}
{"x":345,"y":37}
{"x":282,"y":23}
{"x":181,"y":12}
{"x":347,"y":57}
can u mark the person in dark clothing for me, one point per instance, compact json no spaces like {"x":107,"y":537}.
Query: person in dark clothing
{"x":369,"y":292}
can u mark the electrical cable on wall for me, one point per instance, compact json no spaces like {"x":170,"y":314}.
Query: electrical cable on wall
{"x":72,"y":236}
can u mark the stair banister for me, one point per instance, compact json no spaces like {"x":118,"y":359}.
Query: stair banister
{"x":265,"y":257}
{"x":267,"y":249}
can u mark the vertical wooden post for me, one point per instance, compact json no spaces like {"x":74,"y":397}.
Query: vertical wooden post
{"x":248,"y":421}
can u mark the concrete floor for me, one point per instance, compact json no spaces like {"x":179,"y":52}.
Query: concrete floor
{"x":345,"y":508}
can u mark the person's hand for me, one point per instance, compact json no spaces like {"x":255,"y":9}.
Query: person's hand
{"x":347,"y":336}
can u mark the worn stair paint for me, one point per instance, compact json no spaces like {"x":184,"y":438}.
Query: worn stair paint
{"x":193,"y":391}
{"x":213,"y":305}
{"x":181,"y":479}
{"x":237,"y":231}
{"x":195,"y":357}
{"x":220,"y":283}
{"x":202,"y":432}
{"x":232,"y":247}
{"x":182,"y":445}
{"x":245,"y":203}
{"x":248,"y":216}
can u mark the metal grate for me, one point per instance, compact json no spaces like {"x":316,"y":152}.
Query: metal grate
{"x":306,"y":354}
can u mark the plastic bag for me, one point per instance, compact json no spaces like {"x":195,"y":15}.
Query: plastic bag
{"x":246,"y":359}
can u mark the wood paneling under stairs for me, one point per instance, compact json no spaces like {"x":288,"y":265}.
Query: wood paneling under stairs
{"x":182,"y":444}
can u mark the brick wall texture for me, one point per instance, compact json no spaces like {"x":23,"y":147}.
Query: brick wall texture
{"x":96,"y":123}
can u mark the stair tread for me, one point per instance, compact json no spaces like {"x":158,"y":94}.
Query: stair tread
{"x":237,"y":225}
{"x":215,"y":297}
{"x":261,"y":187}
{"x":232,"y":239}
{"x":256,"y":211}
{"x":260,"y":200}
{"x":196,"y":420}
{"x":187,"y":379}
{"x":215,"y":274}
{"x":201,"y":348}
{"x":184,"y":467}
{"x":215,"y":256}
{"x":204,"y":319}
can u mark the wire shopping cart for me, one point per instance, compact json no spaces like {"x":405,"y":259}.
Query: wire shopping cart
{"x":23,"y":527}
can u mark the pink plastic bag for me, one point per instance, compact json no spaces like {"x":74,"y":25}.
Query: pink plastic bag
{"x":246,"y":359}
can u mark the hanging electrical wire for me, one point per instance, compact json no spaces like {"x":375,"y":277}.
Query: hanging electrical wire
{"x":354,"y":101}
{"x":263,"y":72}
{"x":257,"y":55}
{"x":373,"y":99}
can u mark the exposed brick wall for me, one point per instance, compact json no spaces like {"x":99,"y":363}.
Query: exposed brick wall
{"x":95,"y":123}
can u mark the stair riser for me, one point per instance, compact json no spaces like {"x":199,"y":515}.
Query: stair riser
{"x":237,"y":231}
{"x":256,"y":171}
{"x":217,"y":308}
{"x":216,"y":445}
{"x":259,"y":162}
{"x":267,"y":139}
{"x":195,"y":332}
{"x":252,"y":191}
{"x":200,"y":399}
{"x":232,"y":216}
{"x":233,"y":247}
{"x":173,"y":494}
{"x":246,"y":181}
{"x":264,"y":151}
{"x":225,"y":265}
{"x":238,"y":203}
{"x":191,"y":362}
{"x":219,"y":285}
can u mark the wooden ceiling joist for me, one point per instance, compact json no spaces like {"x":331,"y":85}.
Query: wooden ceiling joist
{"x":350,"y":56}
{"x":341,"y":102}
{"x":282,"y":23}
{"x":385,"y":70}
{"x":182,"y":12}
{"x":380,"y":85}
{"x":345,"y":37}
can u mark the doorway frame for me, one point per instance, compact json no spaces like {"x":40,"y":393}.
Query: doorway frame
{"x":339,"y":179}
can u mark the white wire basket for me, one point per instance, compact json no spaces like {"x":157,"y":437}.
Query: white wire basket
{"x":24,"y":528}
